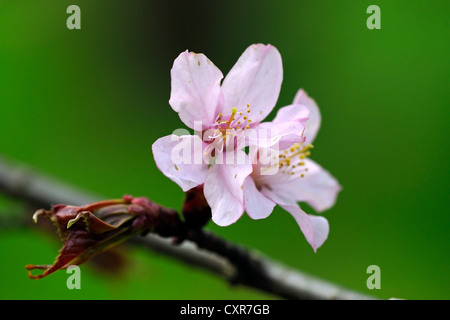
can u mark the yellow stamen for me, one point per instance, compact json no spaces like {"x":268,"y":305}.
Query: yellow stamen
{"x":296,"y":150}
{"x":289,"y":162}
{"x":233,"y":113}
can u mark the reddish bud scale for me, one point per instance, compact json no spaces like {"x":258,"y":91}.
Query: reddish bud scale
{"x":196,"y":210}
{"x":94,"y":228}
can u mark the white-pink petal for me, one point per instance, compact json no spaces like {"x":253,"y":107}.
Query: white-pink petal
{"x":288,"y":125}
{"x":315,"y":119}
{"x":255,"y":80}
{"x":180,"y":159}
{"x":196,"y":94}
{"x":224,"y":193}
{"x":256,"y":204}
{"x":315,"y":228}
{"x":318,"y":187}
{"x":293,"y":113}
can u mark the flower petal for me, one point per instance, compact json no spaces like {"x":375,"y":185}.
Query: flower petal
{"x":255,"y":80}
{"x":314,"y":228}
{"x":196,"y":94}
{"x":294,"y":112}
{"x":224,"y":193}
{"x":273,"y":135}
{"x":288,"y":126}
{"x":180,"y":159}
{"x":257,"y":205}
{"x":318,"y":187}
{"x":313,"y":124}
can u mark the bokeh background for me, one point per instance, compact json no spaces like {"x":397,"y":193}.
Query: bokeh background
{"x":86,"y":105}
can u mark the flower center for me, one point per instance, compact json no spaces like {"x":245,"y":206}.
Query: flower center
{"x":291,"y":163}
{"x":226,"y":129}
{"x":238,"y":120}
{"x":292,"y":160}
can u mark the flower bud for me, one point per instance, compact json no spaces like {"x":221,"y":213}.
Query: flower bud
{"x":196,"y":210}
{"x":94,"y":228}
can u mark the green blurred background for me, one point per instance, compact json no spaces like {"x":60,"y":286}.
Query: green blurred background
{"x":86,"y":105}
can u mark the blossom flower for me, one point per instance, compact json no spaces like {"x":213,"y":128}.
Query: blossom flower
{"x":222,"y":115}
{"x":297,"y":178}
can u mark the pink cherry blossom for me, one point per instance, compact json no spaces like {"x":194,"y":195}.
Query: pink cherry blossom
{"x":222,"y":115}
{"x":297,"y":178}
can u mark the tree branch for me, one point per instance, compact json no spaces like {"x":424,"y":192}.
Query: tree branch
{"x":201,"y":249}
